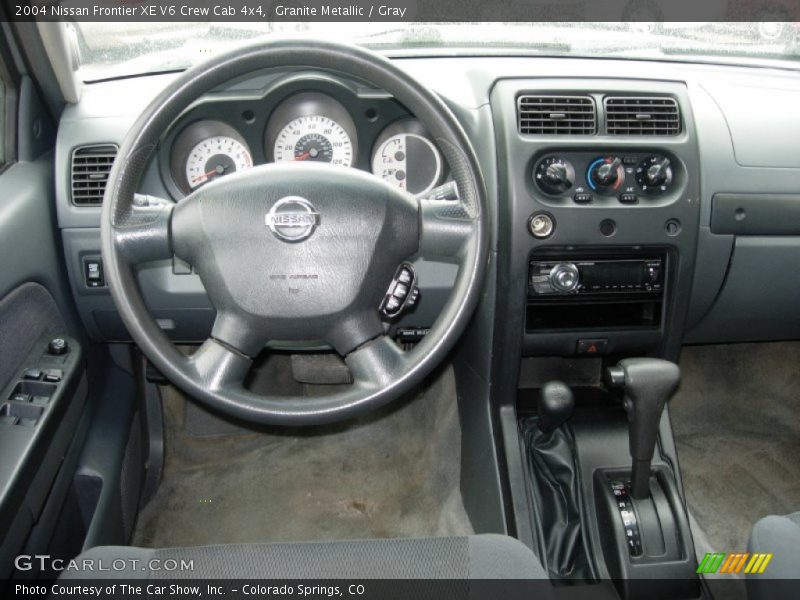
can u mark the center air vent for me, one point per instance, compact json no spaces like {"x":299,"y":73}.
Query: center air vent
{"x":90,"y":168}
{"x":556,"y":115}
{"x":642,"y":116}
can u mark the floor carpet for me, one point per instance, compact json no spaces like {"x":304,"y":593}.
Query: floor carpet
{"x":736,"y":420}
{"x":392,"y":474}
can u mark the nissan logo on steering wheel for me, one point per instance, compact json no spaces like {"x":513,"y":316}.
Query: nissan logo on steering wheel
{"x":292,"y":219}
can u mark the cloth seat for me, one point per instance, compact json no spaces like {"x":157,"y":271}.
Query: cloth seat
{"x":779,"y":536}
{"x":477,"y":557}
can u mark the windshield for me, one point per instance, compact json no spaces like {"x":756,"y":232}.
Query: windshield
{"x":125,"y":49}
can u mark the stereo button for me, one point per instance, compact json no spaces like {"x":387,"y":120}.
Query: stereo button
{"x":565,"y":277}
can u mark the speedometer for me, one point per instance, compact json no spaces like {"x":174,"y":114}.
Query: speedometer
{"x":314,"y":138}
{"x":214,"y":157}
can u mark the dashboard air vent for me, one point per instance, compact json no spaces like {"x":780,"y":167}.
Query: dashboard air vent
{"x":556,"y":115}
{"x":630,"y":115}
{"x":90,"y":168}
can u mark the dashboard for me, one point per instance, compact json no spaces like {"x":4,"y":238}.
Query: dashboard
{"x":305,"y":118}
{"x":707,"y":198}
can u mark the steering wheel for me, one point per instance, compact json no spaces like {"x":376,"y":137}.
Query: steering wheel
{"x":291,"y":252}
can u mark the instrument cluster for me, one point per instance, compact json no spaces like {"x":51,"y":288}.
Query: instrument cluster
{"x":303,"y":119}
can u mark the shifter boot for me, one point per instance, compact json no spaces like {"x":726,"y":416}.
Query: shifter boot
{"x":551,"y":460}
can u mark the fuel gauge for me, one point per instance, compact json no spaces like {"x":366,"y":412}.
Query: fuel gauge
{"x":409,"y":161}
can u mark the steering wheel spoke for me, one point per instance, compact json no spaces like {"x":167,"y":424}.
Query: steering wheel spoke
{"x":219,"y":367}
{"x":239,"y":332}
{"x":377,"y":363}
{"x":146,"y":234}
{"x":446,"y":229}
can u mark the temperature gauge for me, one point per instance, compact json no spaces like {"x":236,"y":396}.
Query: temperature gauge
{"x":409,"y":161}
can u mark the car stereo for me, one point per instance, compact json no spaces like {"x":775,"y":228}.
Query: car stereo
{"x":634,"y":277}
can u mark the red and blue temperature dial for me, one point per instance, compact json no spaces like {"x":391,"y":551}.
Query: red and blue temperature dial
{"x":606,"y":174}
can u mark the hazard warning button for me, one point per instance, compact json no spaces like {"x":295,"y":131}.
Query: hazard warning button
{"x":592,"y":347}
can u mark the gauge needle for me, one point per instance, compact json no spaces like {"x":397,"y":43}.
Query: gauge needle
{"x":312,"y":153}
{"x":218,"y":170}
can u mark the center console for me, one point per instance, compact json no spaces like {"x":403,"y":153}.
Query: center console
{"x":599,"y":201}
{"x":598,"y":228}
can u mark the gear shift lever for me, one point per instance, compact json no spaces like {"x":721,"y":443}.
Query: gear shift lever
{"x":555,"y":406}
{"x":648,"y":383}
{"x":552,"y":466}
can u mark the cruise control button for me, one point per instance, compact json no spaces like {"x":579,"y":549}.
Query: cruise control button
{"x":412,"y":299}
{"x":397,"y":295}
{"x":392,"y":304}
{"x":405,"y":276}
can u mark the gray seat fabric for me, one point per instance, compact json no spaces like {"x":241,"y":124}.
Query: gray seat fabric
{"x":779,"y":536}
{"x":474,"y":557}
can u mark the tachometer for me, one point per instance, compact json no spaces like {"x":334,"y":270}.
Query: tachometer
{"x":205,"y":150}
{"x":214,"y":157}
{"x":314,"y":138}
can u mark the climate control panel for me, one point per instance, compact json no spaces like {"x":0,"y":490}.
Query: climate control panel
{"x":587,"y":177}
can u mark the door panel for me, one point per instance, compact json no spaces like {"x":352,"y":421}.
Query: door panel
{"x":38,"y":418}
{"x":26,"y":314}
{"x":33,"y":293}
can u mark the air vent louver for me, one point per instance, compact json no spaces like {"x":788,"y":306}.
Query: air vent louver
{"x":90,"y":168}
{"x":642,"y":116}
{"x":556,"y":115}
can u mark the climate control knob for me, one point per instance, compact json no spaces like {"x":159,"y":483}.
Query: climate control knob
{"x":654,"y":174}
{"x":565,"y":277}
{"x":606,"y":173}
{"x":554,"y":175}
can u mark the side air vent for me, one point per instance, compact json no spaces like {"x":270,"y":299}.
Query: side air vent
{"x":556,"y":115}
{"x":90,"y":168}
{"x":642,"y":116}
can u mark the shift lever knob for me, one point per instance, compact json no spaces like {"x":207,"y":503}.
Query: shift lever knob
{"x":555,"y":406}
{"x":648,"y":383}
